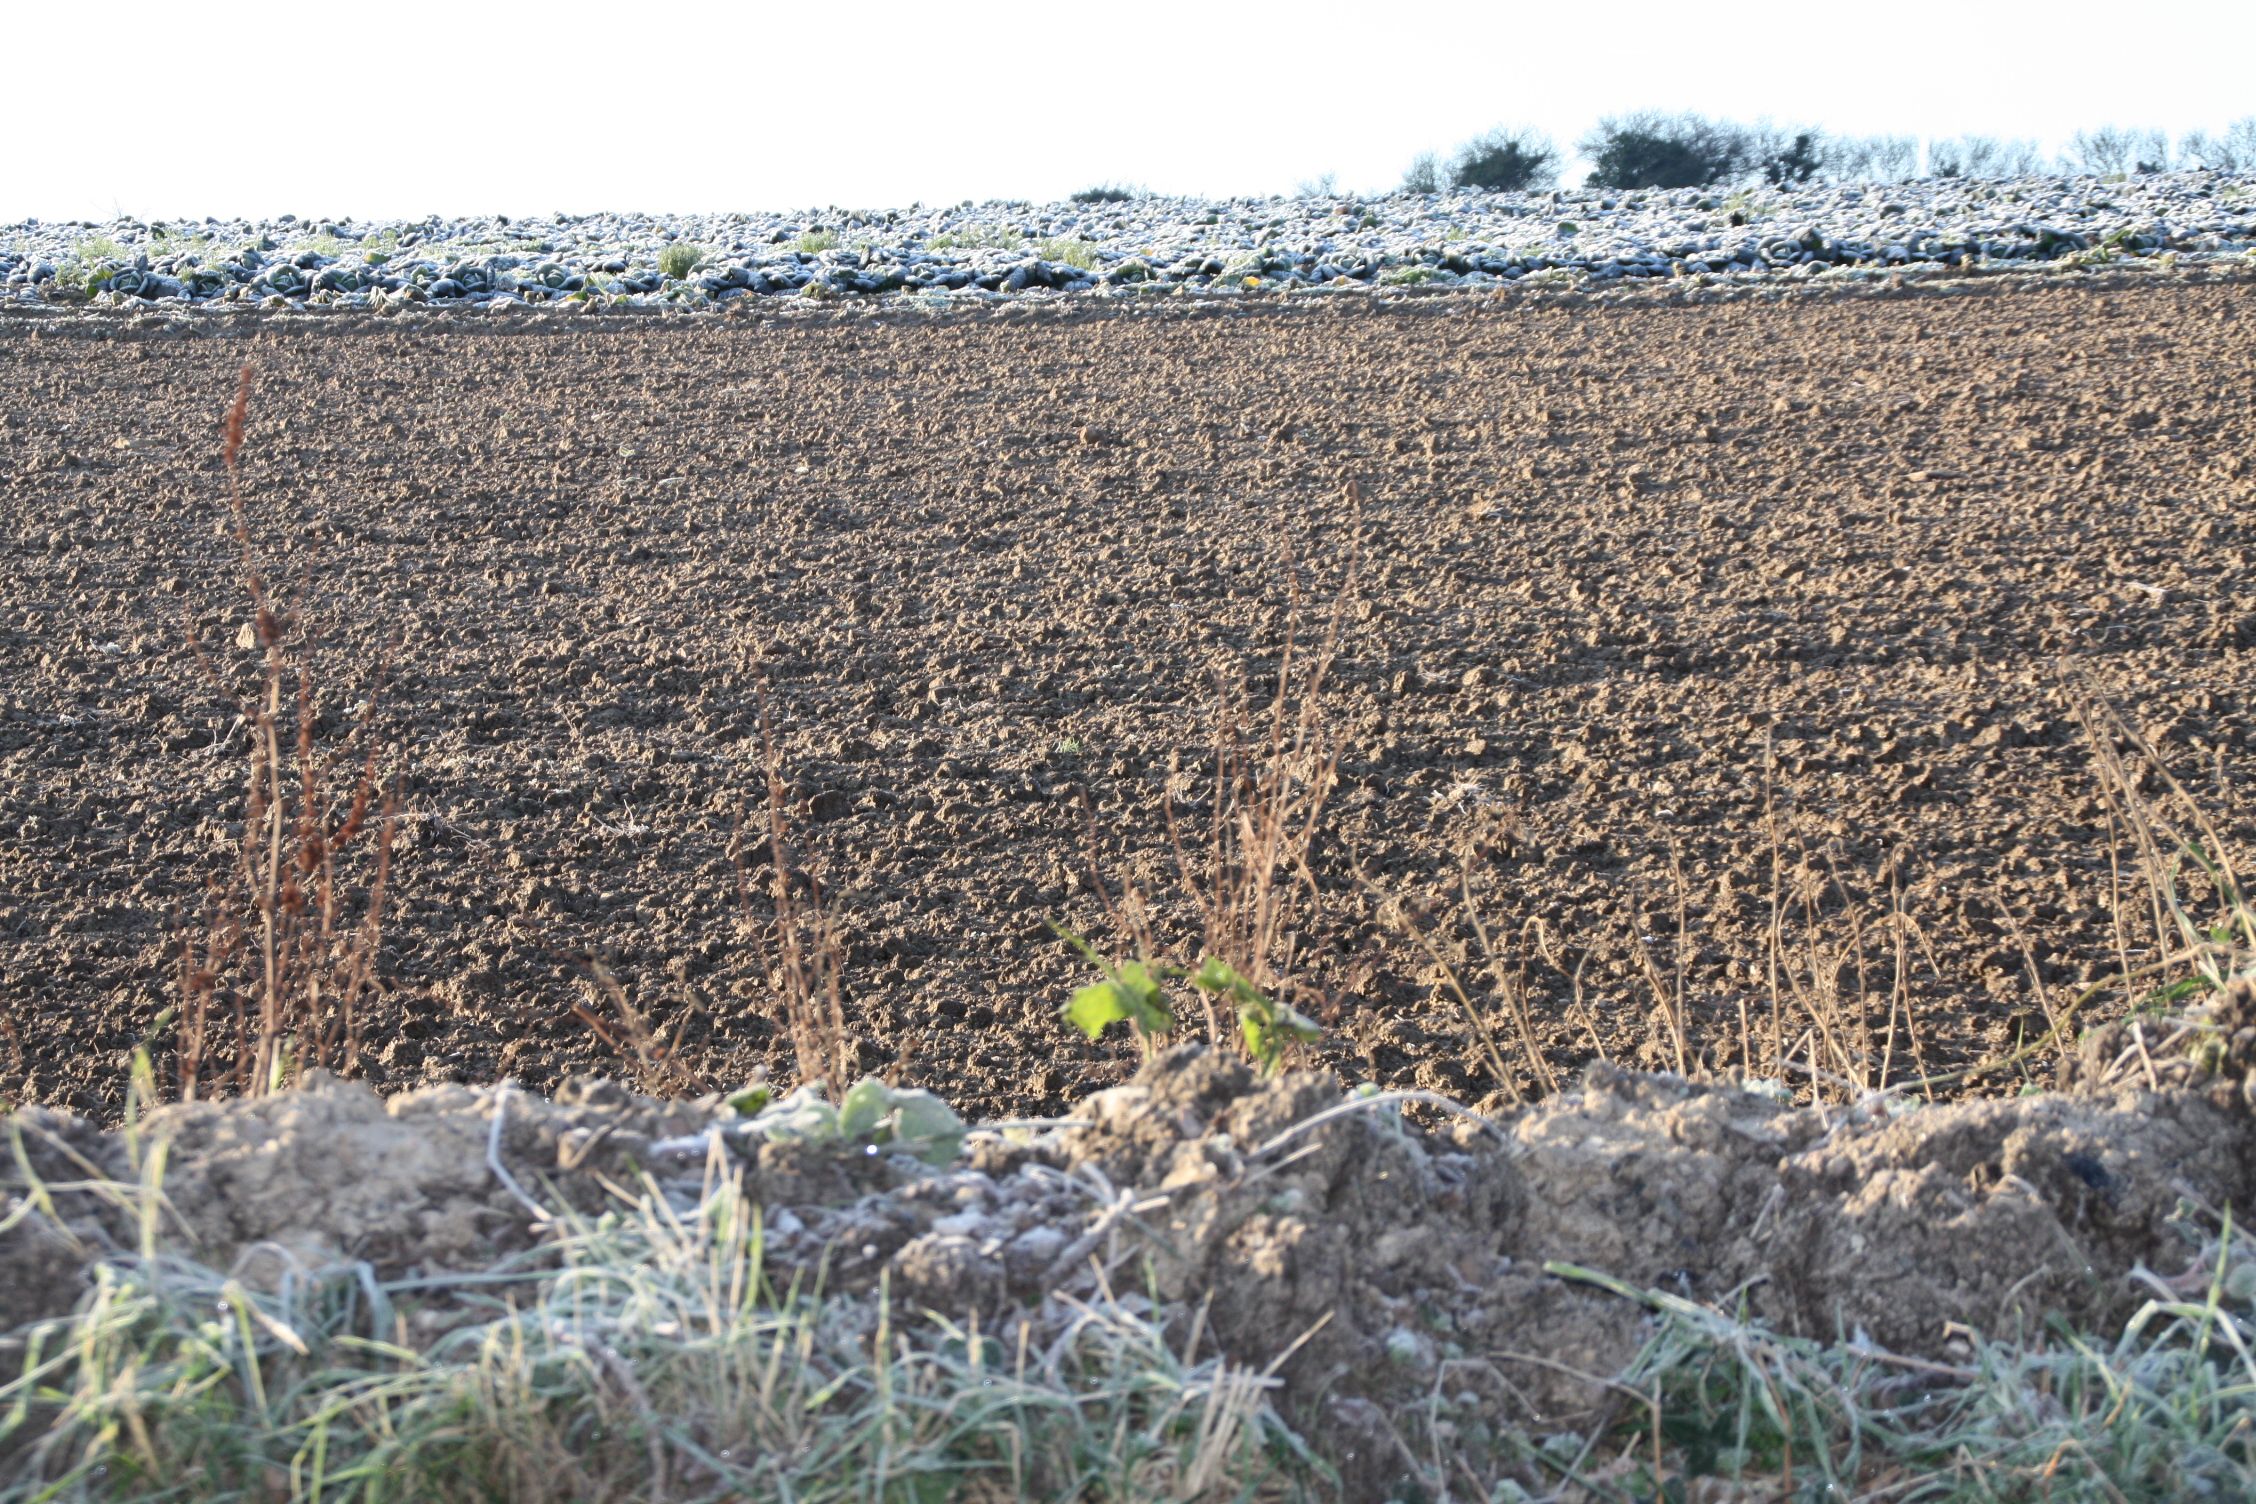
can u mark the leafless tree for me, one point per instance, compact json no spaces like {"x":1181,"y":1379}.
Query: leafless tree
{"x":2112,"y":149}
{"x":1983,"y":157}
{"x":1873,"y":159}
{"x":2232,"y":151}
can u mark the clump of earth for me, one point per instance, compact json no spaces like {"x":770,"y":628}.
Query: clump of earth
{"x":1343,"y":1234}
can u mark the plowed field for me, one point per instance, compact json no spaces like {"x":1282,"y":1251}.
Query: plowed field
{"x":1764,"y":614}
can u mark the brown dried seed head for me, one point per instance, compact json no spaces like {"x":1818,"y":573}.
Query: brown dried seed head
{"x":236,"y":414}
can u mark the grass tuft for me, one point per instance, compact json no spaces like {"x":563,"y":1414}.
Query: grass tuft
{"x":2165,"y":1410}
{"x":643,"y":1354}
{"x":1069,"y":251}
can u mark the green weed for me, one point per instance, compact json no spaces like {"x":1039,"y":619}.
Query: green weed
{"x":1134,"y":993}
{"x":1069,"y":251}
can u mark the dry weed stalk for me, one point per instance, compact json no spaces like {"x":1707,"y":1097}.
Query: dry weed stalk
{"x":1452,"y":957}
{"x":2172,"y":833}
{"x":1832,"y":955}
{"x":807,"y":951}
{"x":2194,"y":961}
{"x":630,"y":1036}
{"x":284,"y":958}
{"x":1252,"y":881}
{"x":1250,"y":876}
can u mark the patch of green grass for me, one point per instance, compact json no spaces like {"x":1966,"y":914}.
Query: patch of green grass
{"x":164,"y":242}
{"x":679,"y":259}
{"x":98,"y":248}
{"x":645,"y":1353}
{"x":1754,"y":206}
{"x":1069,"y":251}
{"x":2164,"y":1410}
{"x":814,"y":242}
{"x":977,"y":238}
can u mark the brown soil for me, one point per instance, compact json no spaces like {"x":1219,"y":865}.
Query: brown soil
{"x":1611,"y":554}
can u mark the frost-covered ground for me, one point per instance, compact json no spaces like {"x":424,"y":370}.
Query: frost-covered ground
{"x":973,"y":252}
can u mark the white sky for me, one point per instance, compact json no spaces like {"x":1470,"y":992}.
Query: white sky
{"x":525,"y":108}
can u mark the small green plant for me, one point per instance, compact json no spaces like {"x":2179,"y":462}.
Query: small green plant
{"x":679,"y":259}
{"x":814,"y":242}
{"x":870,"y":1114}
{"x":1069,"y":251}
{"x":1105,"y":193}
{"x":1269,"y":1027}
{"x":1129,"y":994}
{"x":98,"y":248}
{"x":1133,"y":993}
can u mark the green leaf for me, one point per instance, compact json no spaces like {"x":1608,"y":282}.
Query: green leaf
{"x":829,"y":1391}
{"x":1096,"y":1006}
{"x":863,"y":1109}
{"x":1130,"y":994}
{"x":801,"y":1115}
{"x":1270,"y":1027}
{"x":1219,"y":977}
{"x":926,"y":1126}
{"x":750,"y":1100}
{"x":2176,"y":992}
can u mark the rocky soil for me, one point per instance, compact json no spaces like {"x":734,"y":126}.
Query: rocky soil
{"x":1766,"y":607}
{"x":1139,"y":245}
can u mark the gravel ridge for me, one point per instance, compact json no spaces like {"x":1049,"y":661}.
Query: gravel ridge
{"x":1140,"y":246}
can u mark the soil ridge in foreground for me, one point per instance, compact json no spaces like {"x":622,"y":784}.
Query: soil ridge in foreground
{"x":1367,"y":1262}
